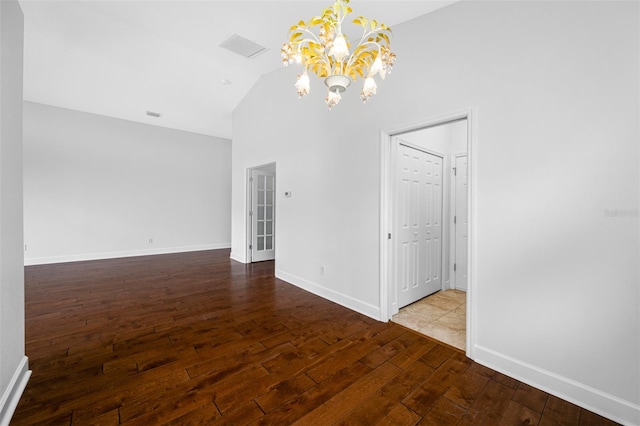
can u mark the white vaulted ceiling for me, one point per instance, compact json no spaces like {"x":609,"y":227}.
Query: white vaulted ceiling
{"x":124,"y":58}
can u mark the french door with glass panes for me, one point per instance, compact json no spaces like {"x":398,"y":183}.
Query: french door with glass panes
{"x":263,"y":215}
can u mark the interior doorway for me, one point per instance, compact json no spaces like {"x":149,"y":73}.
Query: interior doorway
{"x":448,"y":138}
{"x":261,"y":213}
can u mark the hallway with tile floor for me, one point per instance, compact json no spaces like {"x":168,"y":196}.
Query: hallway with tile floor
{"x":441,"y":316}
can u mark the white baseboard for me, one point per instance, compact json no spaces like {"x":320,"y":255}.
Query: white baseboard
{"x":237,"y":258}
{"x":116,"y":254}
{"x":12,"y":394}
{"x":606,"y":405}
{"x":339,"y":298}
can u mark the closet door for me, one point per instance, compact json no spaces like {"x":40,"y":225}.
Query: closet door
{"x":418,"y":224}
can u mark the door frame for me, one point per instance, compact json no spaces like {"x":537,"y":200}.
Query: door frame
{"x":249,"y":204}
{"x":452,"y":201}
{"x":388,"y":306}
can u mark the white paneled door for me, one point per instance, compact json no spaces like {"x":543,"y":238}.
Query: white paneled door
{"x":461,"y":225}
{"x":263,"y":215}
{"x":418,"y":224}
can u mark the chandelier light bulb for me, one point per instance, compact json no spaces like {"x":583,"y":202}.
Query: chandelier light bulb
{"x":325,"y":52}
{"x":368,"y":89}
{"x":302,"y":84}
{"x":332,"y":98}
{"x":377,"y":68}
{"x":339,"y":50}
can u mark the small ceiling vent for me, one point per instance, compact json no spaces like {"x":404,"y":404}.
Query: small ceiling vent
{"x":242,"y":46}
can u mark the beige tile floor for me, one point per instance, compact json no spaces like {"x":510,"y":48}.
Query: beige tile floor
{"x":441,"y":315}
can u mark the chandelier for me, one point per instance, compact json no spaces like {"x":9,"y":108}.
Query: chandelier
{"x":328,"y":53}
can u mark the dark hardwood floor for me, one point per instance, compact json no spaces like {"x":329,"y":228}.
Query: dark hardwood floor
{"x":196,"y":338}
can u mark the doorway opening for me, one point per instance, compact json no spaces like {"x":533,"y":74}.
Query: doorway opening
{"x":261,"y":213}
{"x":425,"y":220}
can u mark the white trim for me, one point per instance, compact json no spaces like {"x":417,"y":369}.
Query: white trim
{"x":472,"y":270}
{"x":357,"y":305}
{"x":248,"y":204}
{"x":385,"y":226}
{"x":452,"y":229}
{"x":432,"y":122}
{"x":420,"y":148}
{"x":386,"y":214}
{"x":602,"y":403}
{"x":237,"y":258}
{"x":12,"y":394}
{"x":117,"y":254}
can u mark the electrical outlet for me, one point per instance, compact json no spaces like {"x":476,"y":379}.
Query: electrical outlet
{"x":25,"y":247}
{"x":321,"y":270}
{"x":150,"y":240}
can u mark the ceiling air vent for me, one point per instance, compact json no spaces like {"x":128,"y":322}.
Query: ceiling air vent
{"x":242,"y":46}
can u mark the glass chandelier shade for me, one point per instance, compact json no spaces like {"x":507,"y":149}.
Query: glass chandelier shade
{"x":328,"y":53}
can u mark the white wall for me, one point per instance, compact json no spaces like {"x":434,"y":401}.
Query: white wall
{"x":100,"y":187}
{"x":555,"y":87}
{"x":14,"y":371}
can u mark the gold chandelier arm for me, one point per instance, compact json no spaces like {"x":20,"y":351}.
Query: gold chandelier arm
{"x":376,"y":29}
{"x":298,"y":44}
{"x":315,"y":39}
{"x":341,"y":10}
{"x":377,"y":32}
{"x":355,"y":56}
